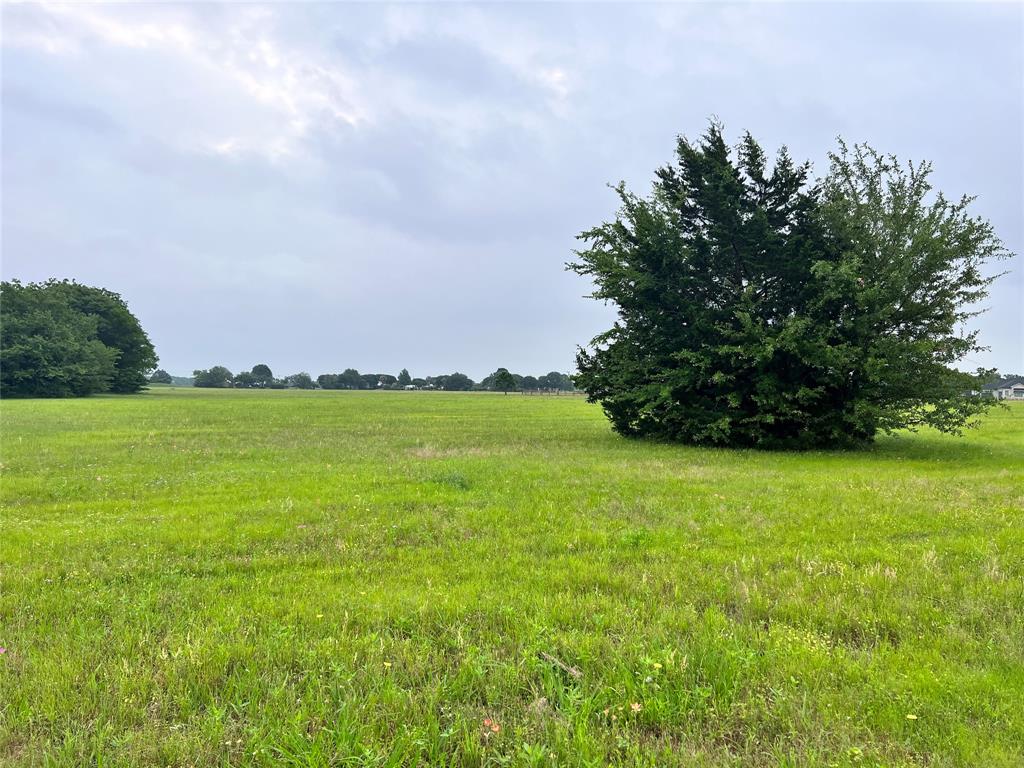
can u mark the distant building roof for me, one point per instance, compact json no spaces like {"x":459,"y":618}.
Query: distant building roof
{"x":1004,"y":382}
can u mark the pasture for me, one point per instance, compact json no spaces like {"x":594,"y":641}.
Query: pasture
{"x":261,"y":578}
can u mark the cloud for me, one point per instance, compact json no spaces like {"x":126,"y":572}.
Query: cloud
{"x":287,"y":88}
{"x":388,"y":186}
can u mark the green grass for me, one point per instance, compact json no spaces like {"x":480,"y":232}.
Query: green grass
{"x":328,"y":578}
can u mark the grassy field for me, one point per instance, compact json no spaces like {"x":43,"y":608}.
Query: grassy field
{"x":330,"y":578}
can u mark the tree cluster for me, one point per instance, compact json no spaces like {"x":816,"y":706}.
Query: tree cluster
{"x":504,"y":381}
{"x":261,"y":377}
{"x":499,"y":381}
{"x":63,"y":339}
{"x":758,"y":307}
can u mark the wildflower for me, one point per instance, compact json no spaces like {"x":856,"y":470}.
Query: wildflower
{"x":635,"y":706}
{"x":2,"y":650}
{"x":657,"y":665}
{"x":387,"y":664}
{"x":911,"y":717}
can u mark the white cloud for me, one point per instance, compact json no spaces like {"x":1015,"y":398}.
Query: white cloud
{"x":265,"y":95}
{"x":290,"y":88}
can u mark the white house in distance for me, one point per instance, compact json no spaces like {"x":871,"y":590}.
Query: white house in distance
{"x":1006,"y":388}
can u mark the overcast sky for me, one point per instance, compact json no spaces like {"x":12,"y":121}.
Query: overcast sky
{"x":325,"y":186}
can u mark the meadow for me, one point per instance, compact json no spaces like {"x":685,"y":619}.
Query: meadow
{"x":262,"y":578}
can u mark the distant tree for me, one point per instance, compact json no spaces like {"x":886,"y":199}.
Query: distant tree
{"x":757,"y":308}
{"x":503,"y":381}
{"x":262,"y":375}
{"x":457,"y":382}
{"x":301,"y":381}
{"x":116,"y":327}
{"x":48,"y":348}
{"x":217,"y":376}
{"x":556,"y":380}
{"x":350,"y":378}
{"x":160,"y":376}
{"x":328,"y":381}
{"x":404,"y":379}
{"x":530,"y":383}
{"x":370,"y":380}
{"x":247,"y":380}
{"x":419,"y":382}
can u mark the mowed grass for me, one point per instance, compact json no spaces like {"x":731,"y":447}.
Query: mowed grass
{"x":205,"y":578}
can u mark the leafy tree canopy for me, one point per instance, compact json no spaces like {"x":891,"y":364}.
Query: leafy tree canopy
{"x":117,"y":328}
{"x":301,"y":380}
{"x":759,"y":308}
{"x":262,"y":375}
{"x":217,"y":376}
{"x":61,"y":339}
{"x":502,"y":381}
{"x":160,"y":376}
{"x":556,"y":380}
{"x":456,"y":382}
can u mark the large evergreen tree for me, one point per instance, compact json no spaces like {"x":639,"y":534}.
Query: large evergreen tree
{"x":758,"y":308}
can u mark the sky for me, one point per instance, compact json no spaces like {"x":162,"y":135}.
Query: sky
{"x":324,"y":186}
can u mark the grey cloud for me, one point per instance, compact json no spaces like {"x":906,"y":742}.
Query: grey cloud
{"x":318,"y":186}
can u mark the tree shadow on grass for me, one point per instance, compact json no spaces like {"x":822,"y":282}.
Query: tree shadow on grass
{"x":925,"y":446}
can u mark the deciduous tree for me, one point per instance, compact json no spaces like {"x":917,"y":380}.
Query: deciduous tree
{"x":502,"y":381}
{"x":217,"y":376}
{"x":262,"y":375}
{"x":61,"y":338}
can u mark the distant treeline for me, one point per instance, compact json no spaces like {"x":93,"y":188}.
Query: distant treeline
{"x":261,"y":377}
